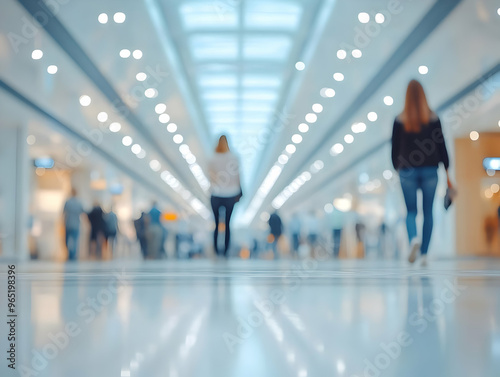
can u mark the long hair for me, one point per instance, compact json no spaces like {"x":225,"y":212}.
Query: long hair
{"x":222,"y":145}
{"x":416,"y":112}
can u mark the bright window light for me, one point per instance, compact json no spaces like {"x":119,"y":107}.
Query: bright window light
{"x":115,"y":127}
{"x":423,"y":70}
{"x":136,"y":148}
{"x":388,"y":100}
{"x":218,"y":81}
{"x":364,"y":17}
{"x":297,"y":139}
{"x":379,"y":18}
{"x":261,"y":81}
{"x":198,"y":15}
{"x":303,"y":127}
{"x":356,"y":53}
{"x":164,"y":118}
{"x":341,"y":54}
{"x":311,"y":118}
{"x":52,"y":69}
{"x":102,"y":116}
{"x":160,"y":108}
{"x":474,"y":135}
{"x":37,"y":54}
{"x":151,"y":93}
{"x":267,"y":47}
{"x":317,"y":108}
{"x":213,"y":47}
{"x":178,"y":139}
{"x":338,"y":76}
{"x":336,"y":149}
{"x":141,"y":76}
{"x":85,"y":100}
{"x":119,"y":17}
{"x":349,"y":139}
{"x":290,"y":148}
{"x":300,"y":66}
{"x":270,"y":15}
{"x":372,"y":116}
{"x":103,"y":18}
{"x":124,"y":53}
{"x":127,"y":141}
{"x":172,"y":127}
{"x":137,"y":54}
{"x":155,"y":165}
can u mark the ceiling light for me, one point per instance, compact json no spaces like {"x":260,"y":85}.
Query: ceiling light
{"x":103,"y":18}
{"x":499,"y":123}
{"x":297,"y":139}
{"x":423,"y":70}
{"x":387,"y":174}
{"x":379,"y":18}
{"x":184,"y":149}
{"x":388,"y":100}
{"x":164,"y":118}
{"x":372,"y":116}
{"x":160,"y":108}
{"x":102,"y":117}
{"x":136,"y":148}
{"x":358,"y":128}
{"x":338,"y":76}
{"x":155,"y":165}
{"x":357,"y":53}
{"x":119,"y":17}
{"x":124,"y":53}
{"x":341,"y":54}
{"x":311,"y":118}
{"x":474,"y":135}
{"x":172,"y":127}
{"x":141,"y":154}
{"x":283,"y":159}
{"x":343,"y":204}
{"x":498,"y":11}
{"x":178,"y":139}
{"x":317,"y":108}
{"x":115,"y":127}
{"x":151,"y":93}
{"x":31,"y":139}
{"x":300,"y":66}
{"x":495,"y":188}
{"x":137,"y":54}
{"x":127,"y":141}
{"x":336,"y":149}
{"x":329,"y":92}
{"x":85,"y":100}
{"x":37,"y":54}
{"x":303,"y":127}
{"x":290,"y":148}
{"x":349,"y":139}
{"x":52,"y":69}
{"x":141,"y":76}
{"x":364,"y":17}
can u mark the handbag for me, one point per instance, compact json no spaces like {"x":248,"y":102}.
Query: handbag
{"x":449,"y":197}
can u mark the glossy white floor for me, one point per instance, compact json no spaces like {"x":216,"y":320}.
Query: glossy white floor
{"x":257,"y":318}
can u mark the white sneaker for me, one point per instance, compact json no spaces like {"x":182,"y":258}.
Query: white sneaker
{"x":414,"y":250}
{"x":423,"y":261}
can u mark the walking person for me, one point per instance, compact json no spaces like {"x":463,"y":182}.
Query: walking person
{"x":295,"y":230}
{"x":276,"y":230}
{"x":72,"y":211}
{"x":97,"y":230}
{"x":226,"y":189}
{"x":111,"y":222}
{"x":418,"y":147}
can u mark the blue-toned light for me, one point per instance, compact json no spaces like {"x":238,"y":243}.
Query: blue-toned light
{"x":214,"y":47}
{"x":197,"y":16}
{"x":272,"y":15}
{"x":44,"y":162}
{"x":261,"y":81}
{"x":260,"y":95}
{"x":491,"y":163}
{"x":220,"y":95}
{"x":218,"y":81}
{"x":266,"y":47}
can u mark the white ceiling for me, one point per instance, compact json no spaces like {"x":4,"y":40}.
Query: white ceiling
{"x":229,"y":67}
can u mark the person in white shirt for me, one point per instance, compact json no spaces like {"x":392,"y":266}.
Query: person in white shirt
{"x":226,"y":188}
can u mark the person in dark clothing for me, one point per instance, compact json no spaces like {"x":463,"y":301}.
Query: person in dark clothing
{"x":276,"y":229}
{"x":418,"y":147}
{"x":111,"y":221}
{"x":140,"y":231}
{"x":72,"y":212}
{"x":97,"y":230}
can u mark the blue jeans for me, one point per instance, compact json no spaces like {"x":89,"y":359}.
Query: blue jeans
{"x":425,"y":179}
{"x":72,"y":243}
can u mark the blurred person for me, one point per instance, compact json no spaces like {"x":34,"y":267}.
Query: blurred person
{"x":276,"y":230}
{"x":312,"y":225}
{"x":226,"y":189}
{"x":111,"y":221}
{"x":295,"y":230}
{"x":140,"y":231}
{"x":97,"y":230}
{"x":72,"y":212}
{"x":154,"y":237}
{"x":336,"y":221}
{"x":418,"y":147}
{"x":155,"y":220}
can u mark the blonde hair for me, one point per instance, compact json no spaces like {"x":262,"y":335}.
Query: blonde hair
{"x":222,"y":145}
{"x":416,"y":112}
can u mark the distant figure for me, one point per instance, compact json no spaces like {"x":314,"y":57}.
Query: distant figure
{"x":312,"y":225}
{"x":418,"y":146}
{"x":336,"y":222}
{"x":154,"y":237}
{"x":97,"y":230}
{"x":140,"y":231}
{"x":155,"y":221}
{"x":295,"y":230}
{"x":276,"y":230}
{"x":72,"y":211}
{"x":226,"y":188}
{"x":111,"y":222}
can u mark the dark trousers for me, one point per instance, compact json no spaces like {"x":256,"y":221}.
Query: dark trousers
{"x":217,"y":204}
{"x":295,"y":242}
{"x":337,"y":236}
{"x":72,"y":243}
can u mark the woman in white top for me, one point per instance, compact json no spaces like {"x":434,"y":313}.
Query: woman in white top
{"x":226,"y":189}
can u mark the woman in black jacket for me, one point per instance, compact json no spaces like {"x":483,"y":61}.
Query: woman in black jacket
{"x":418,"y":146}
